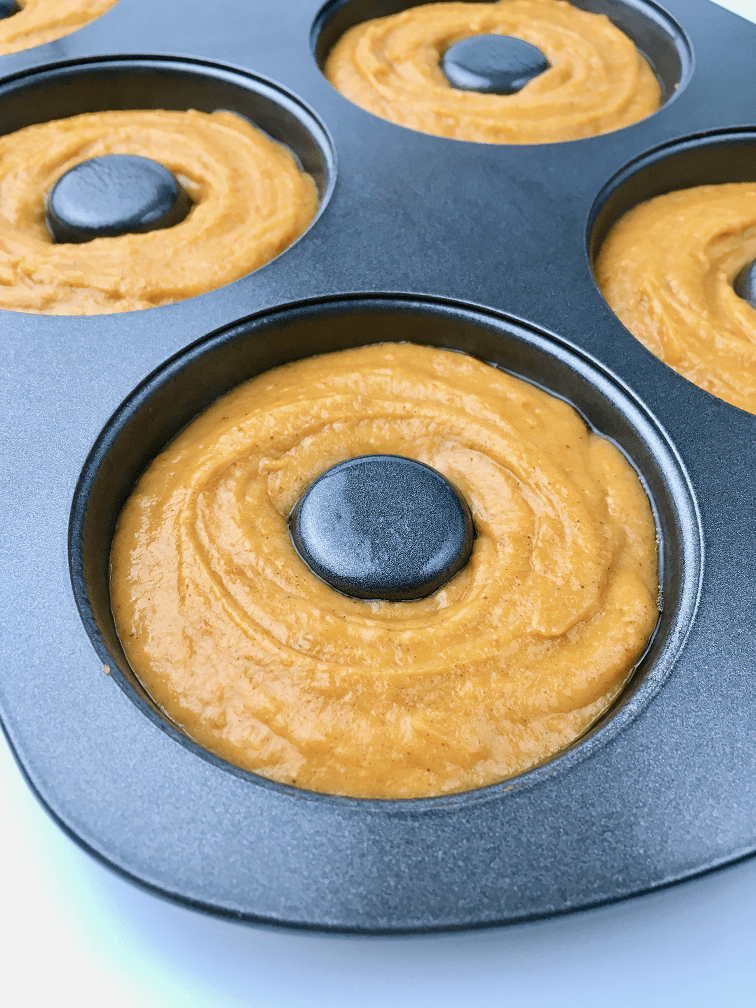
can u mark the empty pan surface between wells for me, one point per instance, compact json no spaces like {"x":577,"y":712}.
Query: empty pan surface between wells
{"x":482,"y":247}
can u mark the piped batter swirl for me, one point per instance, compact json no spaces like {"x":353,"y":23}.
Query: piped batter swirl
{"x":264,"y":664}
{"x":251,"y":201}
{"x":667,"y":269}
{"x":41,"y":21}
{"x":598,"y":80}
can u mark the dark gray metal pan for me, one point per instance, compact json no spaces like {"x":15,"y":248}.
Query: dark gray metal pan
{"x":483,"y":248}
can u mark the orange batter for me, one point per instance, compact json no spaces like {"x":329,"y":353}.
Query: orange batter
{"x":263,"y":663}
{"x":598,"y":81}
{"x":41,"y":21}
{"x":251,"y":201}
{"x":666,"y":269}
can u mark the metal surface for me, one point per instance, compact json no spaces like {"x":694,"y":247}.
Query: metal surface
{"x":492,"y":64}
{"x":113,"y":195}
{"x":8,"y":8}
{"x":744,"y":284}
{"x":383,"y":526}
{"x":481,"y":247}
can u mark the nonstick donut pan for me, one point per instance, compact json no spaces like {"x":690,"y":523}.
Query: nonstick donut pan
{"x":482,"y":248}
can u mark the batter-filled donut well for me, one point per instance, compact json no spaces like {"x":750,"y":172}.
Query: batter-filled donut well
{"x":666,"y":269}
{"x":41,"y":21}
{"x":267,"y":666}
{"x":251,"y":201}
{"x":598,"y":81}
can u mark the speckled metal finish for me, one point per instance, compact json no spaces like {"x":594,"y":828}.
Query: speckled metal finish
{"x":492,"y":64}
{"x":382,"y":527}
{"x":113,"y":195}
{"x":482,"y":248}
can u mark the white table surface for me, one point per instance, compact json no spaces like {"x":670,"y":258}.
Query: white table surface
{"x":74,"y":933}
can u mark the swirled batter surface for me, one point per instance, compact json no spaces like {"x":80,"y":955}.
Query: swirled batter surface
{"x":666,"y":269}
{"x":598,"y":80}
{"x":251,"y":202}
{"x":41,"y":21}
{"x":266,"y":665}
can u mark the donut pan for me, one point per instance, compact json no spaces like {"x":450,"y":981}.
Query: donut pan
{"x":483,"y":248}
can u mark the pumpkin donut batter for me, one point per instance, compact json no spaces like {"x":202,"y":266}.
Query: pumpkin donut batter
{"x":598,"y":81}
{"x":267,"y":666}
{"x":41,"y":21}
{"x":666,"y":269}
{"x":251,"y":201}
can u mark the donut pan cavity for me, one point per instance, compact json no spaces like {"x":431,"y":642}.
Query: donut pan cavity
{"x":654,"y":32}
{"x":482,"y":248}
{"x":176,"y":393}
{"x":99,"y":84}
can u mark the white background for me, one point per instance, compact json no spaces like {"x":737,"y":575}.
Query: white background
{"x":73,"y":933}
